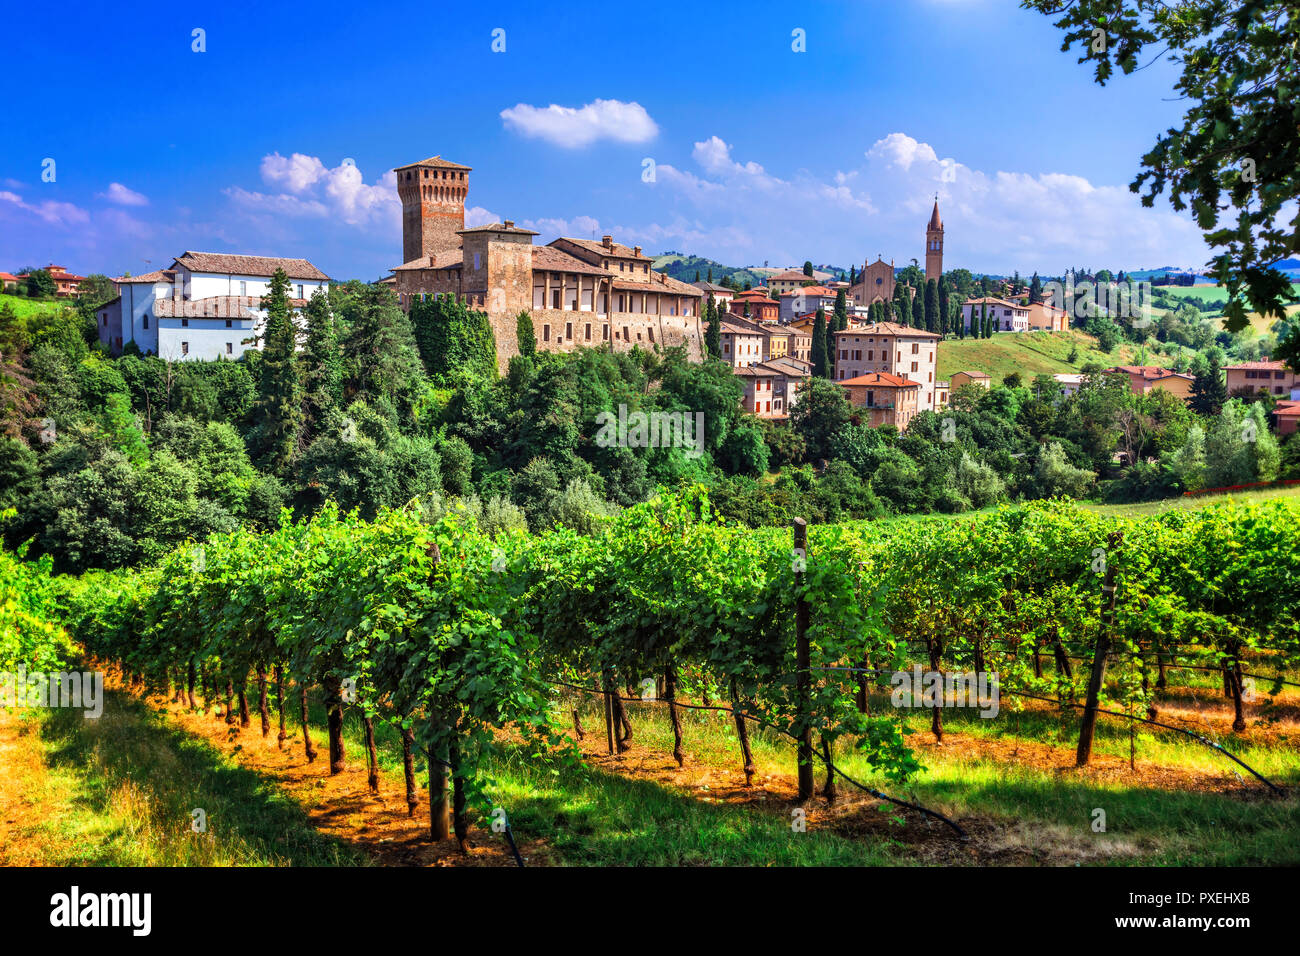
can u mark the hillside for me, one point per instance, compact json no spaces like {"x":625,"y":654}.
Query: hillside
{"x":24,"y":306}
{"x":684,"y":268}
{"x":1028,"y":353}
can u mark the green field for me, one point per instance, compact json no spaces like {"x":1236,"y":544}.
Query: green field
{"x":1028,"y":353}
{"x":24,"y":306}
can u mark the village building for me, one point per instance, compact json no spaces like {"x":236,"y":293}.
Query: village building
{"x":1262,"y":376}
{"x":1147,"y":378}
{"x":875,"y":283}
{"x":789,"y":280}
{"x":1045,"y":317}
{"x":806,"y":299}
{"x":579,"y":292}
{"x":66,"y":285}
{"x":1068,"y":382}
{"x":942,"y":392}
{"x":205,"y":305}
{"x":722,"y":295}
{"x":1007,"y":316}
{"x":743,"y":343}
{"x":1286,"y":417}
{"x":888,"y":347}
{"x":772,"y":387}
{"x":961,"y":379}
{"x":886,"y":399}
{"x":757,"y":305}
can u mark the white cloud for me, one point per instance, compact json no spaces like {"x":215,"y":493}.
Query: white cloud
{"x":303,"y":186}
{"x":49,"y":211}
{"x":571,"y":127}
{"x":996,"y":221}
{"x":117,"y":193}
{"x":478,"y":216}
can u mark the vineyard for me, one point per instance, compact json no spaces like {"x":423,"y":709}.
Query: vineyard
{"x":670,"y":628}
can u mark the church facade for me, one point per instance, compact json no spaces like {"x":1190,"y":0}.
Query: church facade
{"x":876,"y":282}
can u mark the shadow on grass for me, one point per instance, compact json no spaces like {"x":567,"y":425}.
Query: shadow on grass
{"x":146,"y":777}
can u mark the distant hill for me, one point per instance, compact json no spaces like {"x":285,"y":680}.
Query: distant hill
{"x":684,"y":268}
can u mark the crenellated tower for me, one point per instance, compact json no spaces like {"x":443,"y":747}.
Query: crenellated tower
{"x":433,"y":206}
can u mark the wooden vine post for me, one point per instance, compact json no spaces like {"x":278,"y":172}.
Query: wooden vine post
{"x":803,"y":663}
{"x":439,"y":818}
{"x":1098,"y":676}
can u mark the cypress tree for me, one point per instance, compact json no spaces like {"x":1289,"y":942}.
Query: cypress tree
{"x":931,"y":306}
{"x":525,"y":335}
{"x":713,"y":331}
{"x":279,"y":393}
{"x":918,"y":310}
{"x":841,"y":312}
{"x":821,"y":354}
{"x":945,"y":309}
{"x":1209,"y":392}
{"x":320,"y":366}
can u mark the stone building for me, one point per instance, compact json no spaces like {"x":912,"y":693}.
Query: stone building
{"x":876,"y":284}
{"x":888,"y":347}
{"x":884,"y":398}
{"x":579,"y":292}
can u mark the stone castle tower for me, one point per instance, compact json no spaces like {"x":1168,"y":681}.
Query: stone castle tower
{"x":433,"y":206}
{"x":934,"y":245}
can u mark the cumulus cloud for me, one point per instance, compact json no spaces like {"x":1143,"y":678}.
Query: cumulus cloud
{"x":303,"y":186}
{"x":117,"y":193}
{"x":49,"y":211}
{"x":572,"y":127}
{"x":736,"y":210}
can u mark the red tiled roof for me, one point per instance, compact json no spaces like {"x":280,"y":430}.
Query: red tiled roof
{"x":1258,"y":366}
{"x":226,"y":264}
{"x":551,"y":259}
{"x":890,"y":328}
{"x":613,"y":249}
{"x":158,"y":275}
{"x":885,"y":379}
{"x":437,"y":161}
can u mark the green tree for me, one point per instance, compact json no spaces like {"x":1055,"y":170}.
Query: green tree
{"x":931,"y":306}
{"x":808,"y":268}
{"x":713,"y":328}
{"x":527,"y":337}
{"x":841,"y":313}
{"x":820,"y":411}
{"x":1209,"y":391}
{"x":918,"y":310}
{"x":453,"y":339}
{"x":821,"y":349}
{"x":320,"y":365}
{"x":41,"y":285}
{"x":279,"y":410}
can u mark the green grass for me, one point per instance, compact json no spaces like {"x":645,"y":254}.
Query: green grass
{"x":24,"y":307}
{"x":119,"y":790}
{"x":1028,"y":353}
{"x":1192,"y":502}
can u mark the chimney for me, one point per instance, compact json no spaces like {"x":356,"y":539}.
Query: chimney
{"x":636,"y":250}
{"x":607,"y":242}
{"x":509,"y":224}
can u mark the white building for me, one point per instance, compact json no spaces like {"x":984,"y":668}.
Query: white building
{"x":206,"y":305}
{"x":1007,"y":316}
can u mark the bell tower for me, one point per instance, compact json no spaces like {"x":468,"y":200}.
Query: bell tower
{"x":934,"y":245}
{"x":433,"y":206}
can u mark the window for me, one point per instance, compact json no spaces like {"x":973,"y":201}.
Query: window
{"x":243,"y":287}
{"x":916,"y":347}
{"x":476,"y":262}
{"x":228,"y":323}
{"x":913,"y":366}
{"x":651,"y":333}
{"x":146,"y":320}
{"x":104,"y":316}
{"x":604,"y":333}
{"x":555,"y":298}
{"x":627,"y":335}
{"x":546,"y":332}
{"x":185,"y":323}
{"x":568,"y":331}
{"x":588,"y":332}
{"x":185,"y":348}
{"x":230,"y":348}
{"x":300,"y":290}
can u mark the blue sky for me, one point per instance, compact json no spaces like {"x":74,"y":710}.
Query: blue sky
{"x":280,"y":138}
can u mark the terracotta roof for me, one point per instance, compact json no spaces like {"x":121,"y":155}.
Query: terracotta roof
{"x":736,"y":329}
{"x":614,"y":248}
{"x":757,"y":371}
{"x":883,"y":379}
{"x":1287,"y":409}
{"x":674,"y":285}
{"x":509,"y":227}
{"x":158,"y":275}
{"x":791,"y":275}
{"x":551,"y":259}
{"x":1149,"y":373}
{"x":451,"y":259}
{"x":812,"y":290}
{"x":972,"y":374}
{"x":1258,"y":366}
{"x":990,"y":300}
{"x":789,"y":365}
{"x":711,"y":287}
{"x":437,"y":161}
{"x":226,"y":264}
{"x":214,"y":307}
{"x":890,"y":328}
